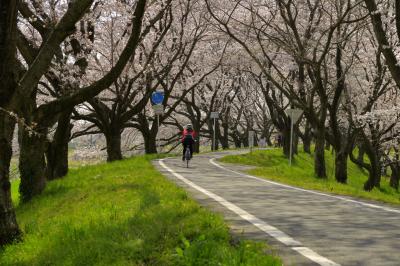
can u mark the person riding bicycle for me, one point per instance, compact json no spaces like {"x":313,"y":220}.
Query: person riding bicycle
{"x":188,"y":136}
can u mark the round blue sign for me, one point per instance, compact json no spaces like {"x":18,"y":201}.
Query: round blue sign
{"x":157,"y":97}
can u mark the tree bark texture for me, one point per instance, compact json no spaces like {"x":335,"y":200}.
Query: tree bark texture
{"x":381,"y":36}
{"x":341,"y":166}
{"x":224,"y":142}
{"x":9,"y":230}
{"x":57,"y":152}
{"x":307,"y":139}
{"x":395,"y":176}
{"x":150,"y":144}
{"x":237,"y":141}
{"x":374,"y":177}
{"x":196,"y":146}
{"x":286,"y":141}
{"x":114,"y":152}
{"x":361,"y":153}
{"x":319,"y":154}
{"x":32,"y":164}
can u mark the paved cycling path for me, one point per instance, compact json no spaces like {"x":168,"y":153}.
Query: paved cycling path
{"x":305,"y":227}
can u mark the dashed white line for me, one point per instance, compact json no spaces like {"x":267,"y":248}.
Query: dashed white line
{"x":262,"y":225}
{"x":212,"y":161}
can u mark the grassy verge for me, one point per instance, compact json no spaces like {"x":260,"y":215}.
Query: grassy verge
{"x":124,"y":213}
{"x":271,"y":164}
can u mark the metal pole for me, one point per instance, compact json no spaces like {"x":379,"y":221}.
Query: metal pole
{"x":158,"y":129}
{"x":291,"y":142}
{"x":214,"y":138}
{"x":250,"y":144}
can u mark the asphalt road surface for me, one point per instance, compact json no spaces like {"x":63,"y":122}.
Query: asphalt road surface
{"x":304,"y":227}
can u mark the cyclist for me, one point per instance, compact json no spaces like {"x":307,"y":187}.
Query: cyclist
{"x":188,"y":136}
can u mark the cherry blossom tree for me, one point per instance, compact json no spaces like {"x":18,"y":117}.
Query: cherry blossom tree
{"x":19,"y":90}
{"x":292,"y":43}
{"x":111,"y":112}
{"x":371,"y":103}
{"x":387,"y":32}
{"x":179,"y":67}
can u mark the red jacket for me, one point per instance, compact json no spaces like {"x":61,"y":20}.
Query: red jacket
{"x":187,"y":132}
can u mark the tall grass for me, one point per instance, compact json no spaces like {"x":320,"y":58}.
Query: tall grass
{"x":123,"y":213}
{"x":271,"y":164}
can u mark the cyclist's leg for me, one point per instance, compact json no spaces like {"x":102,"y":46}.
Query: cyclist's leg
{"x":191,"y":150}
{"x":184,"y":149}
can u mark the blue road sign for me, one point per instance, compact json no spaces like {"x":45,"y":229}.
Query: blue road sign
{"x":157,"y":97}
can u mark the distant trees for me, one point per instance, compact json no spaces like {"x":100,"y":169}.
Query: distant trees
{"x":111,"y":112}
{"x":308,"y":56}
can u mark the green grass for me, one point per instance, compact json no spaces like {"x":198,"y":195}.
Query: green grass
{"x":124,"y":213}
{"x":272,"y":165}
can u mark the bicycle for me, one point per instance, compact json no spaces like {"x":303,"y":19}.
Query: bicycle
{"x":187,"y":157}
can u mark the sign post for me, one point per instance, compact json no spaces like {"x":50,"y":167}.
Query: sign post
{"x":294,"y":115}
{"x":251,"y":140}
{"x":157,"y":98}
{"x":214,"y":116}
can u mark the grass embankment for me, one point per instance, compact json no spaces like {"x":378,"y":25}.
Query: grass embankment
{"x":271,"y":164}
{"x":124,"y":213}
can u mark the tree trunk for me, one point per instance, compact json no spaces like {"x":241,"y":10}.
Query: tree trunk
{"x":327,"y":146}
{"x":361,"y":152}
{"x":307,"y":146}
{"x":9,"y":230}
{"x":224,"y":137}
{"x":196,"y":146}
{"x":307,"y":139}
{"x":395,"y":176}
{"x":295,"y":143}
{"x":341,"y":167}
{"x":245,"y":139}
{"x":32,"y":165}
{"x":216,"y":142}
{"x":374,"y":177}
{"x":150,"y":144}
{"x":237,"y":141}
{"x":224,"y":143}
{"x":113,"y":140}
{"x":319,"y":154}
{"x":286,"y":142}
{"x":57,"y":152}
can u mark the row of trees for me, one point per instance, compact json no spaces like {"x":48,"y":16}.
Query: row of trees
{"x":336,"y":61}
{"x":70,"y":69}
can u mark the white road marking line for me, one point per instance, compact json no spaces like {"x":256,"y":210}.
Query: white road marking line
{"x":263,"y":226}
{"x":306,"y":252}
{"x":212,"y":161}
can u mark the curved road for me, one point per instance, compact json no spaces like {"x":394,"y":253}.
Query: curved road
{"x":305,"y":227}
